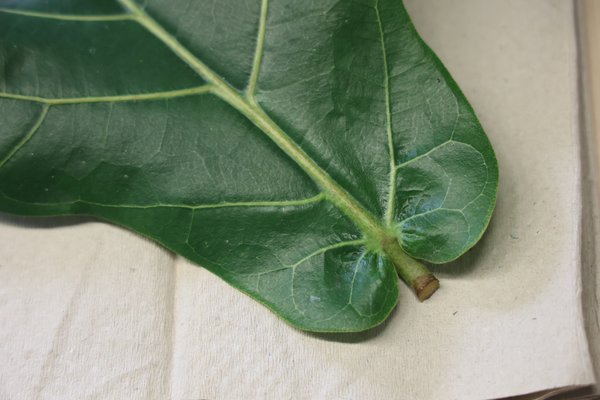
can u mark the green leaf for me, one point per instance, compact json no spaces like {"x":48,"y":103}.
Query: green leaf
{"x":299,"y":150}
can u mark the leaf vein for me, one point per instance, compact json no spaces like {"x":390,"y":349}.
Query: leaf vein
{"x":458,"y":210}
{"x":36,"y":126}
{"x":67,"y":17}
{"x":357,"y":266}
{"x":314,"y":254}
{"x":259,"y":51}
{"x":282,"y":203}
{"x":424,"y":155}
{"x":169,"y":94}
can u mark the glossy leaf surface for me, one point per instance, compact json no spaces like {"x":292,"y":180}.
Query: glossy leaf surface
{"x":278,"y":144}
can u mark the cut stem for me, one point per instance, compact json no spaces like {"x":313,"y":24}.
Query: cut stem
{"x":411,"y":271}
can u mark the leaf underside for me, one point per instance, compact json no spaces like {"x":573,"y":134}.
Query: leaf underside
{"x":149,"y":116}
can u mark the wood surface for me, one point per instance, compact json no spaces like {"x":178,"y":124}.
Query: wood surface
{"x":591,"y":15}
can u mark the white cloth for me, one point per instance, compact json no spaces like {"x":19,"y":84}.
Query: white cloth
{"x":91,"y":311}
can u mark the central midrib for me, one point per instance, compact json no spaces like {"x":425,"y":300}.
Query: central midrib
{"x":379,"y":237}
{"x":371,"y":227}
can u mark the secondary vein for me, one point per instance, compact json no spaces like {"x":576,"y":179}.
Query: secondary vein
{"x":325,"y":249}
{"x":314,"y":254}
{"x":280,"y":203}
{"x":258,"y":54}
{"x":66,"y":17}
{"x":426,"y":154}
{"x":28,"y":135}
{"x":240,"y":204}
{"x":112,"y":99}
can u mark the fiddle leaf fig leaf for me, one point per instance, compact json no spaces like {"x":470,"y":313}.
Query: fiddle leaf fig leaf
{"x":307,"y":153}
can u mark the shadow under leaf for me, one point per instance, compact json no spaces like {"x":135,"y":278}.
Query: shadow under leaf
{"x":44,"y":222}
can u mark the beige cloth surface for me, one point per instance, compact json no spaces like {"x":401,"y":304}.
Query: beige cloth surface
{"x":91,"y":311}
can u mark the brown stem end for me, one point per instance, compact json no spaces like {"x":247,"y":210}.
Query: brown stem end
{"x":425,"y":286}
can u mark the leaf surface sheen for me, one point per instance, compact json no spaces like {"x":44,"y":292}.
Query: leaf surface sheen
{"x":272,"y":142}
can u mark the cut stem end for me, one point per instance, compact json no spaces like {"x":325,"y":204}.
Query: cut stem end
{"x":425,"y":286}
{"x":411,"y":271}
